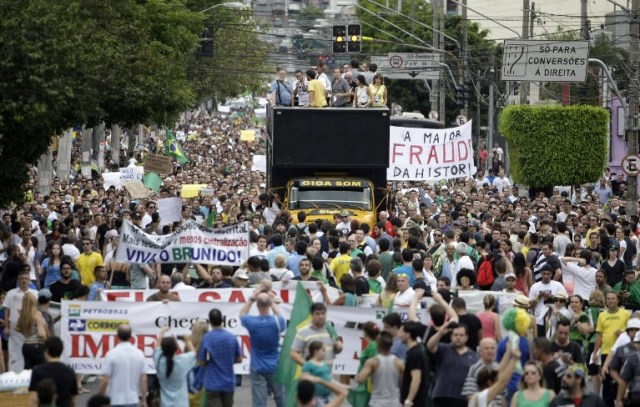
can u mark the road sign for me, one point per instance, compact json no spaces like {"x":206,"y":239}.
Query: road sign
{"x":433,"y":115}
{"x":545,"y":61}
{"x":398,"y":65}
{"x":462,"y":119}
{"x":630,"y":164}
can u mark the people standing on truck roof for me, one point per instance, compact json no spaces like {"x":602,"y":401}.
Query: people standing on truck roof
{"x":363,"y":93}
{"x":280,"y":91}
{"x":340,"y":90}
{"x":317,"y":91}
{"x":300,"y":90}
{"x":378,"y":90}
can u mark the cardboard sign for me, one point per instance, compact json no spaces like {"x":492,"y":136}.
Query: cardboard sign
{"x":158,"y":164}
{"x":136,"y":189}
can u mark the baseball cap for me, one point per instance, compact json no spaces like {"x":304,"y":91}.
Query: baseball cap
{"x":44,"y":294}
{"x":510,"y":275}
{"x":344,"y":214}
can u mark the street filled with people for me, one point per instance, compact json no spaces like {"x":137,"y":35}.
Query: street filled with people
{"x":491,"y":296}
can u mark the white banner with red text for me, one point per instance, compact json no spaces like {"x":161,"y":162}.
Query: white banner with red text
{"x":190,"y":243}
{"x":430,"y":154}
{"x":88,"y":329}
{"x":284,"y":291}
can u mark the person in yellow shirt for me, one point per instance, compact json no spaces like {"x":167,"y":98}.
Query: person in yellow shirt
{"x":378,"y":91}
{"x":340,"y":265}
{"x":88,"y":261}
{"x":317,"y":91}
{"x":611,"y":323}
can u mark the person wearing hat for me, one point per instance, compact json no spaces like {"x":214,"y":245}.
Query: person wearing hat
{"x":629,"y":290}
{"x":630,"y":375}
{"x":510,"y":284}
{"x":573,"y":389}
{"x":345,"y":222}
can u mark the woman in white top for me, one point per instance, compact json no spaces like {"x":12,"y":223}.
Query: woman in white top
{"x":363,"y":93}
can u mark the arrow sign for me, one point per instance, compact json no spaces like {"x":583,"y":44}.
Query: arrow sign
{"x":413,"y":74}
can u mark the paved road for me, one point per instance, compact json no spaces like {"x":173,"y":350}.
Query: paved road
{"x":242,"y":396}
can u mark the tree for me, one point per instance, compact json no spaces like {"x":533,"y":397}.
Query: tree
{"x":555,"y":145}
{"x":120,"y":62}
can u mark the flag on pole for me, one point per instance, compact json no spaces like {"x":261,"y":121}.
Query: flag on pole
{"x":172,"y":148}
{"x":289,"y":371}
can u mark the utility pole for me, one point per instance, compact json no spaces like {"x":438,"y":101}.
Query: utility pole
{"x":633,"y":124}
{"x":492,"y":103}
{"x":435,"y":84}
{"x":463,"y":53}
{"x":443,"y":82}
{"x":584,"y":25}
{"x":524,"y":86}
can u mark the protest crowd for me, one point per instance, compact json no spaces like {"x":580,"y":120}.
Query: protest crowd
{"x":529,"y":300}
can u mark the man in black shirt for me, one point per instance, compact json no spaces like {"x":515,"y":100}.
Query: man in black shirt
{"x":470,"y":320}
{"x":63,"y":376}
{"x":65,"y":287}
{"x":562,"y":344}
{"x":415,"y":367}
{"x":551,"y":369}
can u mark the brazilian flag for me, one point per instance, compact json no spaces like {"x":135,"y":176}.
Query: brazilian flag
{"x":172,"y":148}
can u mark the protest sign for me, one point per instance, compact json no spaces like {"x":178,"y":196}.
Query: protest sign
{"x":248,"y":135}
{"x":136,"y":189}
{"x":191,"y":242}
{"x":430,"y":154}
{"x":131,"y":173}
{"x":285,"y":292}
{"x":158,"y":163}
{"x":169,"y":210}
{"x":191,"y":190}
{"x":111,"y":178}
{"x":259,"y":163}
{"x":206,"y":192}
{"x":88,"y":329}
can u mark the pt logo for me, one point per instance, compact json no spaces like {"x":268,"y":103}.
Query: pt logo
{"x":77,"y":325}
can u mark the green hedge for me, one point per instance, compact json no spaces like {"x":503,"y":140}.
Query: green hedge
{"x":555,"y":145}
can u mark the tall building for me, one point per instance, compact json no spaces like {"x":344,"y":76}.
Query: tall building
{"x":617,"y":23}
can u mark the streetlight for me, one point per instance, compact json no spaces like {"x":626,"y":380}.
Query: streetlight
{"x":233,"y":5}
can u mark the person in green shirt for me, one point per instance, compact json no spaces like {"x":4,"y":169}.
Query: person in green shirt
{"x":317,"y":266}
{"x":359,"y":397}
{"x":373,"y":270}
{"x":629,"y":289}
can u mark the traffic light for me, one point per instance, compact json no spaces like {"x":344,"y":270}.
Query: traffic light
{"x":354,"y":37}
{"x":460,"y":96}
{"x":328,"y":59}
{"x":339,"y":39}
{"x":206,"y":42}
{"x":469,"y":89}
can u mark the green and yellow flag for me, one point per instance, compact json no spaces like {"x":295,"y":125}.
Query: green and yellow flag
{"x":172,"y":148}
{"x":288,"y":371}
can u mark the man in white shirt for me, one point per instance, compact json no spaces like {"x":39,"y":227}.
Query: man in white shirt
{"x":541,"y":293}
{"x":13,"y":305}
{"x":301,"y":89}
{"x":501,"y":182}
{"x":464,"y":262}
{"x":261,"y":250}
{"x":405,"y":292}
{"x":124,"y":377}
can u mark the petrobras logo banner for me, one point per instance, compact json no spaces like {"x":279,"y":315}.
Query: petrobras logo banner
{"x":286,"y":292}
{"x":87,"y":340}
{"x":191,"y":242}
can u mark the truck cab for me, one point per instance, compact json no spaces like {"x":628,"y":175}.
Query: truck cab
{"x":330,"y":160}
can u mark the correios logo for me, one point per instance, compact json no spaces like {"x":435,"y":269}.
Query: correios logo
{"x":74,"y":310}
{"x":77,"y":325}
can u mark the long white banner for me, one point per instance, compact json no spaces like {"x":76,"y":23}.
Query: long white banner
{"x":88,"y":329}
{"x":191,"y":242}
{"x":430,"y":154}
{"x":286,"y":292}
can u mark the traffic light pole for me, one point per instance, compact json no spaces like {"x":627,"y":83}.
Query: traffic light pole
{"x":463,"y":55}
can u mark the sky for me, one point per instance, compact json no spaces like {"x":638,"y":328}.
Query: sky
{"x":552,"y":13}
